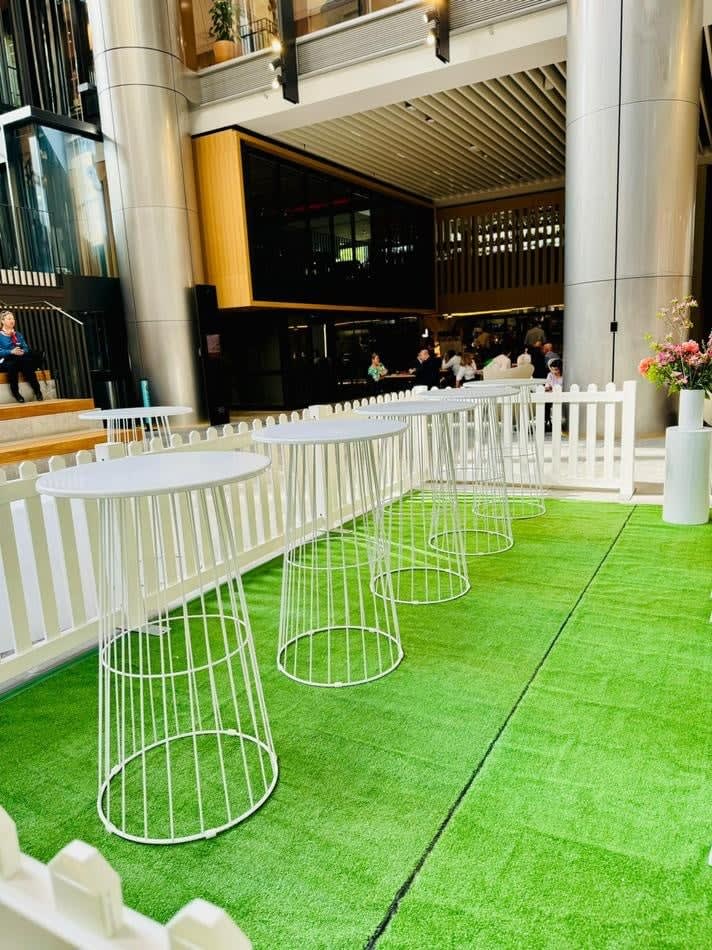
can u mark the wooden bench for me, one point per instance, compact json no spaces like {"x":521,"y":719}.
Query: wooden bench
{"x":42,"y":374}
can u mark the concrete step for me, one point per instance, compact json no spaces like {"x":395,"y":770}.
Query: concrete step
{"x":62,"y":443}
{"x":38,"y":420}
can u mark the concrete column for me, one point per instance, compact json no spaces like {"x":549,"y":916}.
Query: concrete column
{"x":144,"y":116}
{"x":631,"y":151}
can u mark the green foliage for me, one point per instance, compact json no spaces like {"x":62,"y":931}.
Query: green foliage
{"x":222,"y":17}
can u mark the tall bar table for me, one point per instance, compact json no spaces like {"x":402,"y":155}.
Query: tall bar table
{"x":483,"y":504}
{"x":185,"y":748}
{"x":519,"y":449}
{"x":420,"y":497}
{"x":334,"y":628}
{"x":137,"y":422}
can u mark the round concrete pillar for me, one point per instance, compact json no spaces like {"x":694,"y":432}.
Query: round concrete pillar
{"x":631,"y":153}
{"x":144,"y":116}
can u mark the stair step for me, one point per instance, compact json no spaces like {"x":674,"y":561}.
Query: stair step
{"x":48,"y":407}
{"x":64,"y":443}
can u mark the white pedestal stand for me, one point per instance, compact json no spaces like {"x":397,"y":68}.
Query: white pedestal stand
{"x":687,"y":476}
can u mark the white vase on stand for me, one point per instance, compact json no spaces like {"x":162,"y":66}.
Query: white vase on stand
{"x":692,"y":404}
{"x":686,"y":498}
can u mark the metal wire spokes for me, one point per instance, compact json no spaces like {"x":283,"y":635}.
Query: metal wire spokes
{"x":484,"y":522}
{"x":334,"y":630}
{"x":418,"y":480}
{"x":522,"y":464}
{"x":185,"y":749}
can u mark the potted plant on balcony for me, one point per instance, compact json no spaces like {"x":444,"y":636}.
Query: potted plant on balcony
{"x":223,"y":14}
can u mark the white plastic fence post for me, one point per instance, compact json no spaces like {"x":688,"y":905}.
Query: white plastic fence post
{"x":203,"y":926}
{"x":627,"y":486}
{"x":318,"y":412}
{"x":87,"y":889}
{"x":105,"y":451}
{"x":9,"y":847}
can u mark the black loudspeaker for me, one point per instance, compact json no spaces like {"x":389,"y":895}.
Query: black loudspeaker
{"x":215,"y":367}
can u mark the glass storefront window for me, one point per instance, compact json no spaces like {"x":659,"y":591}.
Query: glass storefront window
{"x":315,"y":238}
{"x":59,"y":202}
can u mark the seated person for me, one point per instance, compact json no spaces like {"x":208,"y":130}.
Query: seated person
{"x":17,"y":357}
{"x":451,"y":363}
{"x":427,"y":370}
{"x":376,"y":371}
{"x":503,"y":361}
{"x":555,"y":376}
{"x":467,"y":371}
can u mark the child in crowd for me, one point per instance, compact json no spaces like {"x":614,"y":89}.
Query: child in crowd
{"x":555,"y":376}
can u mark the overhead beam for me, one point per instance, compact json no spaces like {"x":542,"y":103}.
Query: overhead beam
{"x":526,"y":42}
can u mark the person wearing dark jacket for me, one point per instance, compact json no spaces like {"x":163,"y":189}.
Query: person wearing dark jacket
{"x":427,"y":370}
{"x":16,"y":357}
{"x":541,"y":369}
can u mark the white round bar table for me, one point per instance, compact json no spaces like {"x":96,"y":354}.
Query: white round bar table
{"x":483,"y":502}
{"x":519,"y":449}
{"x":137,"y":423}
{"x":185,"y":748}
{"x":420,"y":502}
{"x":334,"y":629}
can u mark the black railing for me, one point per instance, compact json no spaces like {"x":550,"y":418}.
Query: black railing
{"x":62,"y":339}
{"x":258,"y":35}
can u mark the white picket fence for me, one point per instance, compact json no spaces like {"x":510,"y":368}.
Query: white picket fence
{"x":47,"y":585}
{"x":76,"y":901}
{"x":597,"y":449}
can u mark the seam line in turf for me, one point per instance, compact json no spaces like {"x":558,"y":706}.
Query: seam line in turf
{"x":409,"y":881}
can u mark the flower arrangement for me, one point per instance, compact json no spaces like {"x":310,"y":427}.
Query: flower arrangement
{"x":678,"y":363}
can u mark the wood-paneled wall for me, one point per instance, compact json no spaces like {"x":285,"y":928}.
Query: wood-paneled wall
{"x":221,"y":196}
{"x":501,"y":254}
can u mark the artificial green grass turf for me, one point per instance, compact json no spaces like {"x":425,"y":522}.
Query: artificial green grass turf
{"x":367,"y":774}
{"x":591,"y":822}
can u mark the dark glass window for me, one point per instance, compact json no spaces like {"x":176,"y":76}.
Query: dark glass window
{"x":315,"y":238}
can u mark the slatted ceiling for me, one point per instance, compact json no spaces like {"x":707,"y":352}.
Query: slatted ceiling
{"x":483,"y":137}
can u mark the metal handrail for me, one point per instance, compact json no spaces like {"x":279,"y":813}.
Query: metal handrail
{"x":64,"y":344}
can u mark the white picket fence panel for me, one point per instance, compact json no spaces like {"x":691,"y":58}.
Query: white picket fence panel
{"x":47,"y":584}
{"x":76,"y":901}
{"x":596,"y":450}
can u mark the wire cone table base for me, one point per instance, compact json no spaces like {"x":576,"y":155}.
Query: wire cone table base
{"x":483,"y":515}
{"x":185,"y":749}
{"x":418,"y":485}
{"x":522,"y":465}
{"x":334,"y":630}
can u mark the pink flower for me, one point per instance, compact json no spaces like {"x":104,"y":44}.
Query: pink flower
{"x":645,"y":365}
{"x":691,"y":346}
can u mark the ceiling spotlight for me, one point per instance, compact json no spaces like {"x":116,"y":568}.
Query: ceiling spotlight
{"x":275,"y":65}
{"x":277,"y":81}
{"x":429,"y":120}
{"x":276,"y":44}
{"x":409,"y":106}
{"x":430,"y":38}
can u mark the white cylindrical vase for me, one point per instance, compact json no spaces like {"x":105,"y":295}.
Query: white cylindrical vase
{"x":690,"y":413}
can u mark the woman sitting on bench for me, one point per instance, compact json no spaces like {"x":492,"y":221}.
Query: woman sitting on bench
{"x":16,"y":357}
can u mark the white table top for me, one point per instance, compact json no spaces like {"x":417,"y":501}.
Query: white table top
{"x":410,"y":407}
{"x":481,"y":383}
{"x":470,"y":394}
{"x":327,"y":431}
{"x":157,"y":474}
{"x":135,"y":412}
